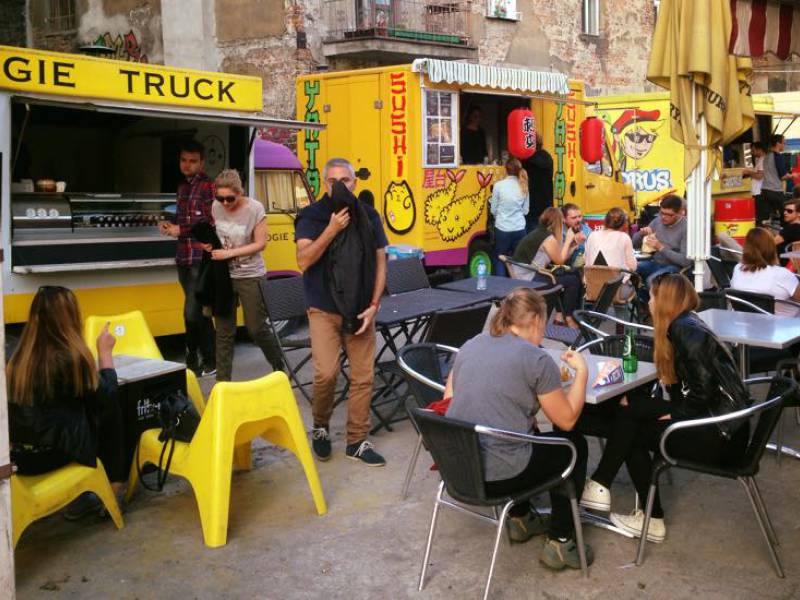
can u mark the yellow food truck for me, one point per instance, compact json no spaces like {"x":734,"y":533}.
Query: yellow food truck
{"x":402,"y":128}
{"x":89,"y":155}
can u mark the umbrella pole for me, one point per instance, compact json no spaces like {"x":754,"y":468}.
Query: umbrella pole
{"x":698,"y":203}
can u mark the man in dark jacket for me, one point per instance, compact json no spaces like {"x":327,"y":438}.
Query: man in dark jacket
{"x":540,"y":184}
{"x":319,"y":229}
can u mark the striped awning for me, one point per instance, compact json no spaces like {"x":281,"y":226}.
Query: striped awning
{"x":500,"y":78}
{"x":765,"y":26}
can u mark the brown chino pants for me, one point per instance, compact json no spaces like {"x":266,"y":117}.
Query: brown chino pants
{"x":326,"y":343}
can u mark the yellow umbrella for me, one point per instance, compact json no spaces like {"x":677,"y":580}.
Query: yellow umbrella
{"x":710,"y":102}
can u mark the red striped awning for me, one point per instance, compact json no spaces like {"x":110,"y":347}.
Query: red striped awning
{"x":765,"y":26}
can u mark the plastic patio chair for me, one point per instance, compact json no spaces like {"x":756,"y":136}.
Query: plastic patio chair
{"x":237,"y":413}
{"x":455,"y":447}
{"x":744,"y":470}
{"x":421,"y":365}
{"x":36,"y":496}
{"x":134,"y":339}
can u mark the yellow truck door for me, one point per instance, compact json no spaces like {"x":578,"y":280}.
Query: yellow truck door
{"x":351,"y":111}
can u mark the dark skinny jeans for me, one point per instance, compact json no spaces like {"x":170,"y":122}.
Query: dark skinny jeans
{"x":573,"y":289}
{"x":547,"y":462}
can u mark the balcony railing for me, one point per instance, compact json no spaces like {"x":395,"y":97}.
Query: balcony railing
{"x":425,"y":21}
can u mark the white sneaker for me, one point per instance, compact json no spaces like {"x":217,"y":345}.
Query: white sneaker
{"x":596,"y":497}
{"x":633,"y":523}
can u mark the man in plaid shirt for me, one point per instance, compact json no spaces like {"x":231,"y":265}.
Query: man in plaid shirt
{"x":195,"y":196}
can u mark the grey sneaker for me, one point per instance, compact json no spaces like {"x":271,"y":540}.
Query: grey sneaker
{"x":559,"y":555}
{"x":321,"y":443}
{"x":521,"y":529}
{"x":364,"y":452}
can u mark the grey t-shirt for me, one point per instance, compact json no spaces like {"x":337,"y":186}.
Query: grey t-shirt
{"x":235,"y":229}
{"x":496,"y":382}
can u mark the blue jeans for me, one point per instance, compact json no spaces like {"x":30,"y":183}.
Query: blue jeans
{"x":648,"y":269}
{"x":504,"y":243}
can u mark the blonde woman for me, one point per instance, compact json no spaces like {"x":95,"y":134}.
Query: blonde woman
{"x":509,"y":205}
{"x":701,"y":377}
{"x":241,"y":225}
{"x":501,"y":379}
{"x":62,"y":408}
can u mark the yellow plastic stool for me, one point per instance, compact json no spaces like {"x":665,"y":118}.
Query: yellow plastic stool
{"x":236,"y":414}
{"x":134,"y":339}
{"x":36,"y":496}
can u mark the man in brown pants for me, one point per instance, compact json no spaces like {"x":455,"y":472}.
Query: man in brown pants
{"x":316,"y":227}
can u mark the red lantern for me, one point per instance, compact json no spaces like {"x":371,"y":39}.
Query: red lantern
{"x":592,"y":139}
{"x":521,"y":133}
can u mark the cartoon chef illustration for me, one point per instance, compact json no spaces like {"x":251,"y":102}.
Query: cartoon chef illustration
{"x":635,"y":132}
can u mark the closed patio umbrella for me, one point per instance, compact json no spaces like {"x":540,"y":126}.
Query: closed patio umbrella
{"x":710,"y":102}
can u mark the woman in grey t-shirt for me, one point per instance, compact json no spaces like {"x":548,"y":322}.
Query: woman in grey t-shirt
{"x":501,"y":379}
{"x":241,"y":225}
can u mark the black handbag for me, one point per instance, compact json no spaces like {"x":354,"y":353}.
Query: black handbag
{"x":179,"y":420}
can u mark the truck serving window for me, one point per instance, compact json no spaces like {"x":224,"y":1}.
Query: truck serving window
{"x":440,"y":119}
{"x":483,"y":137}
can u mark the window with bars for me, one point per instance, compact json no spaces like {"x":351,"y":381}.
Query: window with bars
{"x":591,"y":17}
{"x":60,"y":15}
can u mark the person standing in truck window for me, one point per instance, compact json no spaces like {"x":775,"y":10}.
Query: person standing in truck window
{"x":194,"y":198}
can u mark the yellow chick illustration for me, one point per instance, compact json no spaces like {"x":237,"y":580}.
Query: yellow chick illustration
{"x":435,"y":202}
{"x":399,"y":210}
{"x":458,"y":217}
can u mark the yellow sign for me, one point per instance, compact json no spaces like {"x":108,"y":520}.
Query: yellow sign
{"x":36,"y":71}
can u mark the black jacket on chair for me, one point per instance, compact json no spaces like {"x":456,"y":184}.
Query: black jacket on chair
{"x":709,"y":383}
{"x":214,"y":288}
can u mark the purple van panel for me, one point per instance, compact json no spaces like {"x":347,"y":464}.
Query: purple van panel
{"x":455,"y":257}
{"x":269,"y":155}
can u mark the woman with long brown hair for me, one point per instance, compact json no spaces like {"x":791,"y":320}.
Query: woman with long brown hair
{"x":501,"y":379}
{"x":760,"y":272}
{"x":62,"y":409}
{"x":543,"y":247}
{"x":700,"y":375}
{"x":509,"y":204}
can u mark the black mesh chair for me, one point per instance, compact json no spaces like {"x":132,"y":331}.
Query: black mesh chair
{"x":719,"y":273}
{"x":712,"y":299}
{"x":592,"y":321}
{"x":614,"y":345}
{"x":751,"y":301}
{"x":765,"y":416}
{"x":455,"y":447}
{"x":285,"y":300}
{"x":424,"y":367}
{"x":455,"y":327}
{"x":405,"y":275}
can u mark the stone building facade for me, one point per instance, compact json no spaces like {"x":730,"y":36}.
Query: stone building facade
{"x":280,"y":39}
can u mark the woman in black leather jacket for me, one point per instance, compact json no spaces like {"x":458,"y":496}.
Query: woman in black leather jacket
{"x":701,"y":378}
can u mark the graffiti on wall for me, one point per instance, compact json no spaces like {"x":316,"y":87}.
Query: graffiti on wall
{"x":451,"y":215}
{"x":125,"y":47}
{"x":311,"y":89}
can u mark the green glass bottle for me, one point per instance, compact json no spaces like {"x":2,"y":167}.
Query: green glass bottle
{"x":630,"y":362}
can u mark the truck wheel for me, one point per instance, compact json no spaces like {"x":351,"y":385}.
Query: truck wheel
{"x":478,"y":249}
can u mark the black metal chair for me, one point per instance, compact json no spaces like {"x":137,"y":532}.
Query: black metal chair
{"x":751,"y":301}
{"x":614,"y":345}
{"x":712,"y":299}
{"x":455,"y":447}
{"x":424,"y":367}
{"x":719,"y":272}
{"x":455,"y":327}
{"x":591,"y":321}
{"x":405,"y":275}
{"x":766,"y":416}
{"x":284,"y":300}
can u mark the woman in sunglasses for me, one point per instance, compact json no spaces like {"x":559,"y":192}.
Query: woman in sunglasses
{"x":62,"y":407}
{"x":241,"y":225}
{"x":701,"y":377}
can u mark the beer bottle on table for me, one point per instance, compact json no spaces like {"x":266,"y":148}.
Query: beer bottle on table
{"x":630,"y":362}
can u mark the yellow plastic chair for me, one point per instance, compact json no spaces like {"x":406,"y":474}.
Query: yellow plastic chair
{"x":36,"y":496}
{"x":236,"y":414}
{"x":134,"y":339}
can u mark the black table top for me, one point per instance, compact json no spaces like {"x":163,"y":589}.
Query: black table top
{"x":426,"y":301}
{"x":496,"y":287}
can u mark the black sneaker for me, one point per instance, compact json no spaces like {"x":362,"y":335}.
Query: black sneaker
{"x":193,"y":363}
{"x":85,"y":504}
{"x":208,"y":370}
{"x":321,"y":443}
{"x":364,"y":452}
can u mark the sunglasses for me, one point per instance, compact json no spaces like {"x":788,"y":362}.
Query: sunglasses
{"x":226,"y":199}
{"x":638,"y":138}
{"x":791,"y":211}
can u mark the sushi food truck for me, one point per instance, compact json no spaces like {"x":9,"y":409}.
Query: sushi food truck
{"x":89,"y":155}
{"x":401,"y":127}
{"x":652,"y":162}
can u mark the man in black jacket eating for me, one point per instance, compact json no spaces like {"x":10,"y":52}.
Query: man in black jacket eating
{"x":340,"y":249}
